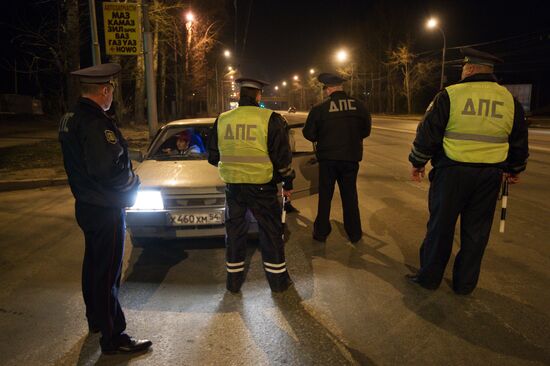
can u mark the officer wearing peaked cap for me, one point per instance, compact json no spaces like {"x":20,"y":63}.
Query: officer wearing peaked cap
{"x":250,"y":147}
{"x":473,"y":131}
{"x":338,"y":126}
{"x":95,"y":155}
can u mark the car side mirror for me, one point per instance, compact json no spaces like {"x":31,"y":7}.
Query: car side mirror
{"x":135,"y":155}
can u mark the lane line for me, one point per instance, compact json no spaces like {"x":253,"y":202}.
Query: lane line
{"x":531,"y":147}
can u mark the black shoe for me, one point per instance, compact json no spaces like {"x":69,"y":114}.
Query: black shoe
{"x":234,"y":282}
{"x":289,"y":208}
{"x":415,"y":278}
{"x":127,"y":344}
{"x":319,"y":238}
{"x":355,"y":240}
{"x":93,"y":330}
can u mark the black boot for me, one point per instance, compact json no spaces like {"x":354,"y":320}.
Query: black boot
{"x":234,"y":281}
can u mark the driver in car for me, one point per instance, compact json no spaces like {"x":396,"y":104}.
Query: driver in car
{"x":183,"y":145}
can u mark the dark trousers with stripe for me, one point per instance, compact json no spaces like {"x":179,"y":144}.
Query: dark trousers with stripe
{"x":261,"y":200}
{"x":345,"y":173}
{"x":104,"y":231}
{"x":468,"y":192}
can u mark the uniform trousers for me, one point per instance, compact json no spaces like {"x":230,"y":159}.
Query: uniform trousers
{"x":261,"y":200}
{"x":468,"y":192}
{"x":104,"y":231}
{"x":345,"y":173}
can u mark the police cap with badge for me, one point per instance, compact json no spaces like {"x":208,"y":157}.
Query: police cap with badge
{"x":473,"y":56}
{"x":98,"y":74}
{"x":251,"y":83}
{"x":329,"y":79}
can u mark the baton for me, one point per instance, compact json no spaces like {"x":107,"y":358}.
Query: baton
{"x":504,"y":203}
{"x":283,"y":214}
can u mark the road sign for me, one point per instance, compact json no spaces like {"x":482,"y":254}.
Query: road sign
{"x":122,"y":28}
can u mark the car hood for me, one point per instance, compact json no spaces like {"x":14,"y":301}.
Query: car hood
{"x":178,"y":174}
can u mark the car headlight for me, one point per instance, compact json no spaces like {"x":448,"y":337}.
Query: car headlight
{"x":148,"y":200}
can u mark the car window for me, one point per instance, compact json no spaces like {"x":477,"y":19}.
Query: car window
{"x":298,"y":143}
{"x":181,"y":143}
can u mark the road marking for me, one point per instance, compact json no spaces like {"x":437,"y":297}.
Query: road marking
{"x":531,"y":147}
{"x":394,"y":129}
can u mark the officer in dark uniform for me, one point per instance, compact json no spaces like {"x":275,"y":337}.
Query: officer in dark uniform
{"x":472,"y":131}
{"x":338,"y":126}
{"x":102,"y":181}
{"x":250,"y":147}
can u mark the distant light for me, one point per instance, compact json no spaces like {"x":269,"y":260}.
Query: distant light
{"x":231,"y":76}
{"x":227,"y":53}
{"x":276,"y":87}
{"x":229,"y":68}
{"x":284,"y":83}
{"x":432,"y":23}
{"x":190,"y":17}
{"x":341,"y":56}
{"x":312,"y":71}
{"x":295,"y":77}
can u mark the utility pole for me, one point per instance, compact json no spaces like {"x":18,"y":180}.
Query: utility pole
{"x":152,"y":118}
{"x":96,"y":53}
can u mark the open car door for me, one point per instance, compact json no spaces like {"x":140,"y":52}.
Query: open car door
{"x":304,"y":162}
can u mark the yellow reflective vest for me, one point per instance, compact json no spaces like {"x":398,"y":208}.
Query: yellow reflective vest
{"x":480,"y":121}
{"x":242,"y":142}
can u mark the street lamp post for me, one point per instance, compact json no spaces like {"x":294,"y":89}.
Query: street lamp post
{"x":432,"y":23}
{"x":226,"y":54}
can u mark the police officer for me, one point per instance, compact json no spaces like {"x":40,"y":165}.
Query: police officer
{"x":338,"y":126}
{"x":472,"y":132}
{"x":102,"y":181}
{"x":251,"y":149}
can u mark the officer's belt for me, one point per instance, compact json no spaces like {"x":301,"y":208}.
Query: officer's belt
{"x":245,"y":159}
{"x":475,"y":137}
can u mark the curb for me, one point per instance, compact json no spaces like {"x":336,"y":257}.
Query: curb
{"x":13,"y":185}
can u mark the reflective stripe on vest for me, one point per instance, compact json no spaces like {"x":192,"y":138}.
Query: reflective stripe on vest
{"x":242,"y":141}
{"x":480,"y":121}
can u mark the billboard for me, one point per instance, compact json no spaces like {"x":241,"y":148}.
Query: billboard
{"x":522,"y":92}
{"x":122,"y":28}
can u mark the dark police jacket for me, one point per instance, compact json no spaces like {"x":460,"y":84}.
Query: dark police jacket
{"x":428,"y":143}
{"x":96,"y":157}
{"x":338,"y":126}
{"x":277,"y":144}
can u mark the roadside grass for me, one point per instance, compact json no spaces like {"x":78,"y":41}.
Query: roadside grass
{"x":42,"y":154}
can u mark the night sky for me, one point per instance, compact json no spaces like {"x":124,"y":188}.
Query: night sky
{"x":287,"y":37}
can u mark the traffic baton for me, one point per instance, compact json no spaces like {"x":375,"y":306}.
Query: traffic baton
{"x":504,"y":202}
{"x":283,"y":215}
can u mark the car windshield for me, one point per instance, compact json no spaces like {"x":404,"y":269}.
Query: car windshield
{"x":181,"y":143}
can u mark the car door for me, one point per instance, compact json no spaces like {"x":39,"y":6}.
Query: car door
{"x":304,"y":162}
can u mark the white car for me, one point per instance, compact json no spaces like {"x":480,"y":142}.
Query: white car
{"x":182,"y":195}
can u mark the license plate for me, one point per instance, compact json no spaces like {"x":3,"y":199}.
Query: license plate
{"x":209,"y":218}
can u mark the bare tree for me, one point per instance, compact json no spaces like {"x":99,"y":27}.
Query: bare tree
{"x":414,"y":74}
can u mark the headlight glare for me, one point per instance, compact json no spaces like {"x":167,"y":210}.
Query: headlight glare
{"x":148,"y":200}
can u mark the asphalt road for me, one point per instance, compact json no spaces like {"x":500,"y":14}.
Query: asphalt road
{"x":350,"y":305}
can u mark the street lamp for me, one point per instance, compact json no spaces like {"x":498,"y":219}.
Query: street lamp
{"x":431,"y":24}
{"x":312,"y":71}
{"x":342,"y":56}
{"x":295,"y":77}
{"x":276,"y":87}
{"x":219,"y":88}
{"x":284,"y":83}
{"x":190,"y":17}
